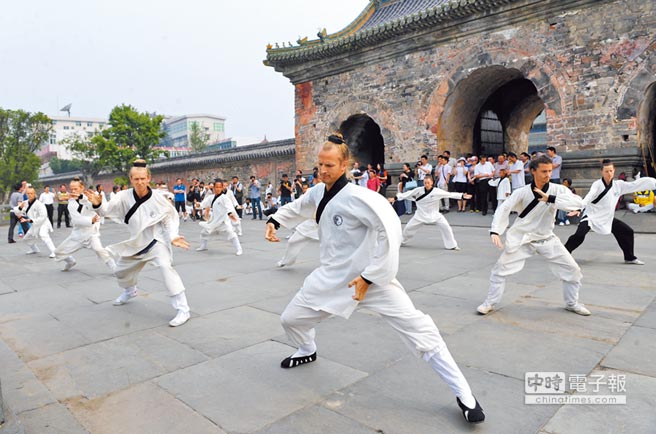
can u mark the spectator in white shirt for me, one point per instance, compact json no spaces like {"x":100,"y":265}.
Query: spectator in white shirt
{"x":48,"y":198}
{"x":483,"y":172}
{"x":557,"y":164}
{"x":516,"y":168}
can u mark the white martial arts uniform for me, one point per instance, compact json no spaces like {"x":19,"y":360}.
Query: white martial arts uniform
{"x":533,"y":233}
{"x":600,"y":215}
{"x":428,"y":213}
{"x":503,"y":188}
{"x":304,"y":233}
{"x":235,"y":224}
{"x":152,"y":225}
{"x":360,"y":235}
{"x":40,"y":226}
{"x":85,"y":234}
{"x":219,"y":222}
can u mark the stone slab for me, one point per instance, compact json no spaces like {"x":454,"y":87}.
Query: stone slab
{"x":50,"y":419}
{"x":648,"y":318}
{"x":510,"y":350}
{"x":409,"y":397}
{"x":637,"y":416}
{"x":107,"y":366}
{"x":636,"y":352}
{"x":222,"y":332}
{"x":267,"y":392}
{"x":317,"y":419}
{"x":142,"y":408}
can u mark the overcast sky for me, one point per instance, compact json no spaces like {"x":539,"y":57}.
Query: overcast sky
{"x":171,"y":57}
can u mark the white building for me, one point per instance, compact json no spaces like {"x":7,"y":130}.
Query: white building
{"x":178,"y":129}
{"x":65,"y":127}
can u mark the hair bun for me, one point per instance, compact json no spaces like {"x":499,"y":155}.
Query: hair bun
{"x":336,"y":138}
{"x":139,"y":163}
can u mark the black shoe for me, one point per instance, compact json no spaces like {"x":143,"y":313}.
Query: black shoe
{"x":292,"y":362}
{"x":472,"y":415}
{"x":12,"y":241}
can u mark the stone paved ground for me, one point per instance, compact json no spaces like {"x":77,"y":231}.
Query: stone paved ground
{"x":70,"y":362}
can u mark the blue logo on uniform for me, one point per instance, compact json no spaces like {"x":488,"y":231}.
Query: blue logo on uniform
{"x":338,"y":220}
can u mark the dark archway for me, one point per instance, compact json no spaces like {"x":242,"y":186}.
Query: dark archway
{"x":647,"y":128}
{"x":365,"y":141}
{"x":491,"y":102}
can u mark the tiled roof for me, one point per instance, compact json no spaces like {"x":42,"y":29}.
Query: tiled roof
{"x":249,"y":152}
{"x":381,"y":21}
{"x":395,"y":9}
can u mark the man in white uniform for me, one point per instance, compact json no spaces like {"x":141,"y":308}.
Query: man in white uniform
{"x":360,"y":236}
{"x":428,"y":201}
{"x":599,"y":211}
{"x":34,"y":212}
{"x":86,"y":230}
{"x":236,"y":223}
{"x":153,"y":224}
{"x":222,"y":211}
{"x":531,"y":233}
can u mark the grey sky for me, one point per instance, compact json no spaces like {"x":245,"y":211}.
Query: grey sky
{"x":172,"y":57}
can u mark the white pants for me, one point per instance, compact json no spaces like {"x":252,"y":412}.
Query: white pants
{"x":416,"y":329}
{"x":222,"y":229}
{"x":46,"y":240}
{"x":295,"y":244}
{"x":128,"y":268}
{"x":561,"y":262}
{"x":637,"y":208}
{"x":236,"y":225}
{"x":70,"y":246}
{"x":445,"y":230}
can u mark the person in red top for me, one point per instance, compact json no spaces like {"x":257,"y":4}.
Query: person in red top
{"x":373,"y":183}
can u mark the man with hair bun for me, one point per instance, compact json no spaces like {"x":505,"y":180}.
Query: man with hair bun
{"x":222,"y":210}
{"x":599,"y":211}
{"x":532,"y":233}
{"x":86,"y":230}
{"x":34,"y":212}
{"x":360,"y":237}
{"x":153,"y":225}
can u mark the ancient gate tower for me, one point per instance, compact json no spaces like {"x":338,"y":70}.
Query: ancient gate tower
{"x":410,"y":76}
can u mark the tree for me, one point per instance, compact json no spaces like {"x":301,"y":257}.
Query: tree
{"x":21,"y":134}
{"x":64,"y":166}
{"x":198,"y":138}
{"x":87,"y":157}
{"x":130,"y":135}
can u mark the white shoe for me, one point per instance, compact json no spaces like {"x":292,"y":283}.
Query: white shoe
{"x":239,"y":234}
{"x":484,"y":309}
{"x":566,"y":222}
{"x":70,"y":263}
{"x":280,"y":264}
{"x":52,"y":255}
{"x":124,"y":297}
{"x":579,"y":309}
{"x":456,"y":248}
{"x":34,"y":249}
{"x":636,"y":261}
{"x":561,"y":224}
{"x":201,"y":249}
{"x":239,"y":252}
{"x":180,"y":318}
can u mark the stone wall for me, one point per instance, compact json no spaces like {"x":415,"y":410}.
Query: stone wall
{"x":589,"y":64}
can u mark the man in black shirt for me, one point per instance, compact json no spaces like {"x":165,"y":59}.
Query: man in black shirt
{"x":285,"y":190}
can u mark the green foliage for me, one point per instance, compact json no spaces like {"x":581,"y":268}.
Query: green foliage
{"x":21,"y":134}
{"x":198,"y":138}
{"x":130,"y":135}
{"x":64,"y":166}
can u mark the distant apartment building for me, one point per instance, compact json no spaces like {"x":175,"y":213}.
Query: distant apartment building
{"x":66,"y":127}
{"x":178,"y":130}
